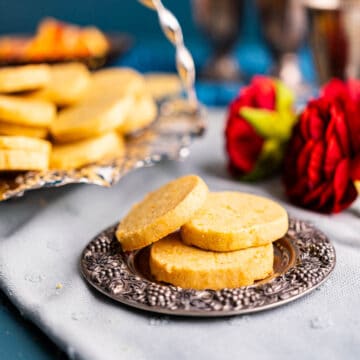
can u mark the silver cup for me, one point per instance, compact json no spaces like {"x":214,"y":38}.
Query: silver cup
{"x":220,"y":21}
{"x":334,"y":37}
{"x":284,"y":28}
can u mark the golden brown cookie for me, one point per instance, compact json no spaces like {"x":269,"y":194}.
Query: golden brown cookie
{"x":24,"y":143}
{"x":91,"y":118}
{"x":22,"y":78}
{"x":143,"y":113}
{"x":80,"y":153}
{"x":27,"y":112}
{"x":68,"y":84}
{"x":232,"y":220}
{"x":114,"y":81}
{"x":161,"y":212}
{"x":20,"y":130}
{"x":22,"y":153}
{"x":161,"y":85}
{"x":182,"y":265}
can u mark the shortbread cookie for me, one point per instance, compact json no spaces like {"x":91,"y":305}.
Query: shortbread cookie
{"x":143,"y":113}
{"x":20,"y":130}
{"x":161,"y":212}
{"x":77,"y":154}
{"x":22,"y":160}
{"x":182,"y":265}
{"x":231,"y":221}
{"x":22,"y":153}
{"x":91,"y":118}
{"x":24,"y":143}
{"x":22,"y":78}
{"x":68,"y":83}
{"x":27,"y":112}
{"x":161,"y":85}
{"x":118,"y":81}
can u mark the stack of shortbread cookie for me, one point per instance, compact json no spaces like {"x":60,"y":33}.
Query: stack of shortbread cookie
{"x":81,"y":117}
{"x":204,"y":240}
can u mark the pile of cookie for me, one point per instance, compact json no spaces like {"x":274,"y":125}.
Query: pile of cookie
{"x":64,"y":117}
{"x":204,"y":240}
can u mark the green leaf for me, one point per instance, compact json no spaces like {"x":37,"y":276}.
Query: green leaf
{"x":269,"y":124}
{"x":269,"y":161}
{"x":284,"y":97}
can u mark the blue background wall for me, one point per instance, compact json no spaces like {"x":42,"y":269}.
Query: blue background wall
{"x":122,"y":15}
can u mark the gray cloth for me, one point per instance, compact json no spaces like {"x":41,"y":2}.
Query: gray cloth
{"x":43,"y":234}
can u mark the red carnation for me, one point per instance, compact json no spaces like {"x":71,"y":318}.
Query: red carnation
{"x":323,"y":157}
{"x":259,"y":123}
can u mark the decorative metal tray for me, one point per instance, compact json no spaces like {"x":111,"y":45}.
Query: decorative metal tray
{"x":179,"y":120}
{"x":168,"y":137}
{"x":304,"y":258}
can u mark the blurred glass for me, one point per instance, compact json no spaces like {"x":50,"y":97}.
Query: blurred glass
{"x":284,"y":27}
{"x":220,"y":22}
{"x":334,"y":37}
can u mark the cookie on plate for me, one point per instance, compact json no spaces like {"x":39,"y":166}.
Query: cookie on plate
{"x":80,"y":153}
{"x":23,"y":153}
{"x":161,"y":85}
{"x":27,"y":112}
{"x":144,"y":112}
{"x":232,"y":220}
{"x":91,"y":117}
{"x":23,"y":78}
{"x":182,"y":265}
{"x":68,"y":84}
{"x":161,"y":212}
{"x":21,"y":130}
{"x":118,"y":81}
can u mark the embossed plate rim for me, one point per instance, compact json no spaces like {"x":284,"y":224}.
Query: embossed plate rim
{"x":298,"y":229}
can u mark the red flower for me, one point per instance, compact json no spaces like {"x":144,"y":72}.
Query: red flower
{"x":323,"y":156}
{"x":258,"y":125}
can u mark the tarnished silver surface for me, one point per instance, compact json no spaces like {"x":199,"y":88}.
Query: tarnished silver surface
{"x":169,"y":137}
{"x":304,"y":258}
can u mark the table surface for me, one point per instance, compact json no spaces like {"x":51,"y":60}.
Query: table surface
{"x":327,"y":320}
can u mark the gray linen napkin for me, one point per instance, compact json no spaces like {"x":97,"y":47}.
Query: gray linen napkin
{"x":43,"y":234}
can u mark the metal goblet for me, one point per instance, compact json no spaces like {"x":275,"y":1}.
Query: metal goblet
{"x":220,"y":22}
{"x":284,"y":27}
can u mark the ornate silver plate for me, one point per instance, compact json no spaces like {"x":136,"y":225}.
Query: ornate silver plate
{"x":304,"y":259}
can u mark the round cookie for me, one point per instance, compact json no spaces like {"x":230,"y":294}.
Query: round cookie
{"x":68,"y":84}
{"x":118,"y":81}
{"x":176,"y":263}
{"x":91,"y":117}
{"x":231,"y":221}
{"x":80,"y":153}
{"x":162,"y":212}
{"x":28,"y":112}
{"x":22,"y":153}
{"x":24,"y":143}
{"x":22,"y":160}
{"x":20,"y":130}
{"x":161,"y":85}
{"x":144,"y":113}
{"x":22,"y":78}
